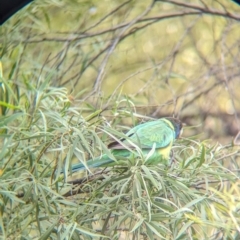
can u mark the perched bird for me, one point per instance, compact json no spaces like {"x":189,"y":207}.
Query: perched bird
{"x":154,"y":139}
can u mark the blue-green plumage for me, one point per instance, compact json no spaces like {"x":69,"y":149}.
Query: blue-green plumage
{"x":153,"y":139}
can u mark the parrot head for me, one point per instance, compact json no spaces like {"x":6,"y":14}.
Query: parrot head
{"x":178,"y":126}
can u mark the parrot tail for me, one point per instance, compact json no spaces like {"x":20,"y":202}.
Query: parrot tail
{"x":94,"y":163}
{"x":102,"y":161}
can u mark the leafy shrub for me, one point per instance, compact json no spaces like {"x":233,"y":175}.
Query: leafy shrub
{"x":44,"y":131}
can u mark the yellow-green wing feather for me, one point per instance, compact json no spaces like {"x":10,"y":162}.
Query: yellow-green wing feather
{"x":160,"y":132}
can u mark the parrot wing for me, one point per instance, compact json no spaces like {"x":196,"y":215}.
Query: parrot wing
{"x":145,"y":135}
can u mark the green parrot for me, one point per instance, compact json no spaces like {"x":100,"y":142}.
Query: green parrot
{"x":154,"y":139}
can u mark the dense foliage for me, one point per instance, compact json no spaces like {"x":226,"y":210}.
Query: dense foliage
{"x":75,"y":75}
{"x":195,"y":195}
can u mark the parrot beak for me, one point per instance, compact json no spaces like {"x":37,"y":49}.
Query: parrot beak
{"x":181,"y":132}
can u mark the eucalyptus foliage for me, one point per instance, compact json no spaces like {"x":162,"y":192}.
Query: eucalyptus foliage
{"x":44,"y":131}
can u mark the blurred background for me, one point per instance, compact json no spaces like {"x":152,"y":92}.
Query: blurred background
{"x":169,"y":58}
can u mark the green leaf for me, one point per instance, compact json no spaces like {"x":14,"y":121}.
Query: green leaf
{"x":8,"y":105}
{"x":49,"y":230}
{"x":202,"y":156}
{"x":183,"y":230}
